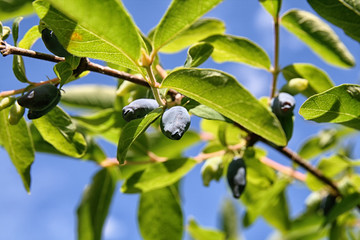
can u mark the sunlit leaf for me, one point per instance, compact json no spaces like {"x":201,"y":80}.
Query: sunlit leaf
{"x":160,"y":216}
{"x":318,"y":80}
{"x":57,"y":129}
{"x":339,"y":104}
{"x":158,"y":175}
{"x":95,"y":204}
{"x":229,"y":48}
{"x":97,"y":29}
{"x":224,"y":94}
{"x":198,"y":54}
{"x":17,"y":141}
{"x":199,"y":30}
{"x":342,"y":13}
{"x":30,"y":37}
{"x":179,"y":17}
{"x":200,"y":233}
{"x":272,"y":6}
{"x":318,"y":36}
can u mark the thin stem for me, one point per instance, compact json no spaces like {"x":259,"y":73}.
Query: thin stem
{"x":154,"y":86}
{"x":275,"y":70}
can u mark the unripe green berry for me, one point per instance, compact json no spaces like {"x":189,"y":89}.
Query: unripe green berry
{"x":6,"y":102}
{"x":295,"y":86}
{"x":212,"y":170}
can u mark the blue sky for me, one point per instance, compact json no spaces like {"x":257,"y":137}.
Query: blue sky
{"x":57,"y":183}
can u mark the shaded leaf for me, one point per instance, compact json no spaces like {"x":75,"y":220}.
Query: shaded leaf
{"x":159,"y":215}
{"x":181,"y":15}
{"x":57,"y":129}
{"x":229,"y":48}
{"x":89,"y":96}
{"x":63,"y":71}
{"x":158,"y":175}
{"x":133,"y":130}
{"x":11,"y":9}
{"x":339,"y":104}
{"x":200,"y":233}
{"x":230,"y":220}
{"x":199,"y":30}
{"x":224,"y":94}
{"x":18,"y":62}
{"x":318,"y":80}
{"x":95,"y":203}
{"x":198,"y":54}
{"x":318,"y":36}
{"x":98,"y":29}
{"x":17,"y":141}
{"x":346,"y":204}
{"x":342,"y":13}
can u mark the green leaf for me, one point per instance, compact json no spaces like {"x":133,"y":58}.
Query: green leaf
{"x":15,"y":29}
{"x":19,"y":68}
{"x":63,"y":71}
{"x":339,"y":104}
{"x":272,"y":6}
{"x":229,"y":48}
{"x":57,"y":129}
{"x":159,"y":144}
{"x":159,"y":215}
{"x":324,"y":141}
{"x":17,"y":141}
{"x":199,"y":30}
{"x":346,"y":204}
{"x":318,"y":80}
{"x":11,"y":9}
{"x":198,"y":54}
{"x":95,"y":204}
{"x":224,"y":94}
{"x":181,"y":15}
{"x":97,"y":29}
{"x":230,"y":219}
{"x":158,"y":175}
{"x":342,"y":13}
{"x":318,"y":36}
{"x":6,"y":33}
{"x":30,"y":37}
{"x":330,"y":167}
{"x":199,"y":233}
{"x":133,"y":130}
{"x":89,"y":96}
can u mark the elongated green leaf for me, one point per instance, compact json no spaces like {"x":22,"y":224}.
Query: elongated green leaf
{"x":158,"y":175}
{"x":230,"y":219}
{"x":18,"y":62}
{"x":17,"y":141}
{"x":272,"y":6}
{"x":229,"y":48}
{"x":199,"y":30}
{"x":30,"y":37}
{"x":339,"y":104}
{"x":63,"y":71}
{"x":224,"y":94}
{"x":318,"y":36}
{"x":199,"y":233}
{"x":346,"y":204}
{"x":89,"y":96}
{"x":11,"y":9}
{"x":97,"y":29}
{"x":179,"y":17}
{"x":57,"y":129}
{"x":160,"y":216}
{"x":318,"y":80}
{"x":95,"y":204}
{"x":198,"y":54}
{"x":324,"y":141}
{"x":133,"y":130}
{"x":342,"y":13}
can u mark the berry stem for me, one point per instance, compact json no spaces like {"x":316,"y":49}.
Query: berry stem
{"x":154,"y":86}
{"x":275,"y":71}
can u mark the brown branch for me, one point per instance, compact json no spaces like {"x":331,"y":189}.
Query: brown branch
{"x":307,"y":166}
